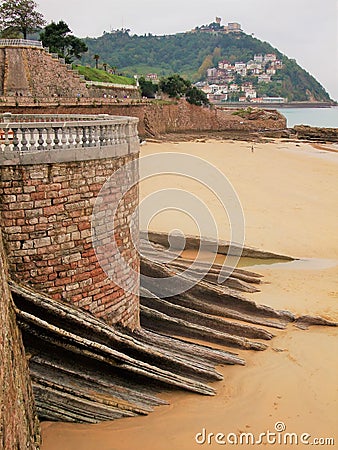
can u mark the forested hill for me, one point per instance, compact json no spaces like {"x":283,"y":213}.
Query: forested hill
{"x":191,"y":54}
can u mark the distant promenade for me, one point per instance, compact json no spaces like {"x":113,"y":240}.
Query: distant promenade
{"x":238,"y":105}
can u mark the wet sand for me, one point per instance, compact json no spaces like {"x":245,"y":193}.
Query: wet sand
{"x":289,"y":197}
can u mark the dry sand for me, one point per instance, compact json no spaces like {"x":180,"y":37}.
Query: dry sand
{"x":289,"y":198}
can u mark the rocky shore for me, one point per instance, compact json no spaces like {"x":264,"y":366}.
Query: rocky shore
{"x":307,"y":133}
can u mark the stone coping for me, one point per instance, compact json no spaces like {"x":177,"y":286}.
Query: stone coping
{"x":67,"y":155}
{"x":9,"y":118}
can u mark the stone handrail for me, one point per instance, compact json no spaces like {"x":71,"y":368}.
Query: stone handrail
{"x":9,"y":118}
{"x":12,"y":101}
{"x":111,"y":85}
{"x":20,"y":43}
{"x":32,"y":134}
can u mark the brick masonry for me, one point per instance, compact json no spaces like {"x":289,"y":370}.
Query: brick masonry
{"x":19,"y":426}
{"x":46,"y":223}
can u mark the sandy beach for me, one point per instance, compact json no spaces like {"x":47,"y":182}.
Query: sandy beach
{"x":288,"y":193}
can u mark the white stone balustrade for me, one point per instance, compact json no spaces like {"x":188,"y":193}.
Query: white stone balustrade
{"x":20,"y":43}
{"x":33,"y":138}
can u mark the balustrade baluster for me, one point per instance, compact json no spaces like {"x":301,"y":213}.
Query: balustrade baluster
{"x":84,"y":137}
{"x":32,"y":140}
{"x":96,"y":136}
{"x":63,"y":138}
{"x":15,"y":139}
{"x":90,"y":136}
{"x":105,"y":135}
{"x":110,"y":139}
{"x":7,"y":142}
{"x":122,"y":133}
{"x":49,"y":138}
{"x":116,"y":134}
{"x":24,"y":141}
{"x":40,"y":139}
{"x":56,"y":137}
{"x":119,"y":133}
{"x":77,"y":136}
{"x":70,"y":137}
{"x":101,"y":135}
{"x":125,"y":133}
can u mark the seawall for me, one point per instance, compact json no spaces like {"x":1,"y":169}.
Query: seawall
{"x":47,"y":197}
{"x":19,"y":426}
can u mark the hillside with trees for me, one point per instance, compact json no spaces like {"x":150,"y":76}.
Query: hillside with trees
{"x":191,"y":54}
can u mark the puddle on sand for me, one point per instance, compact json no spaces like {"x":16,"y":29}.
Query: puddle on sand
{"x":297,"y":264}
{"x":218,"y":258}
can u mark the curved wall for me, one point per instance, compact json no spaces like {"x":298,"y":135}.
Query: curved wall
{"x":46,"y":210}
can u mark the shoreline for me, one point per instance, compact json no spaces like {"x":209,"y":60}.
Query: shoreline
{"x":238,"y":105}
{"x":288,"y":194}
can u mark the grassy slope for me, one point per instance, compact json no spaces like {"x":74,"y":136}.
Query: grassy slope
{"x":92,"y":74}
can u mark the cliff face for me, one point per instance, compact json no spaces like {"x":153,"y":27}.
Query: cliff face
{"x":182,"y":117}
{"x":157,"y":119}
{"x":19,"y":427}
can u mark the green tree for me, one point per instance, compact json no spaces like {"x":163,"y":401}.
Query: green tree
{"x":175,"y":86}
{"x":148,"y":89}
{"x":57,"y":37}
{"x":20,"y":15}
{"x":197,"y":97}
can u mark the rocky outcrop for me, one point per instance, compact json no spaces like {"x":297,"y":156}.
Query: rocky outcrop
{"x":183,"y":117}
{"x":19,"y":427}
{"x":305,"y":132}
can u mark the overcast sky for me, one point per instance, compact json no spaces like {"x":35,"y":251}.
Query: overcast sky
{"x":306,"y":30}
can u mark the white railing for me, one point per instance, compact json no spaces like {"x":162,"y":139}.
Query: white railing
{"x":111,"y":85}
{"x":20,"y":43}
{"x":29,"y":133}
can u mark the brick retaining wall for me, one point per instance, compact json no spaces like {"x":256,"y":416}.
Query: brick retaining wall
{"x":19,"y":426}
{"x":52,"y":171}
{"x":46,"y":223}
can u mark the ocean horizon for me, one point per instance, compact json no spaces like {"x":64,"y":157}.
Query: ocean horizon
{"x":315,"y":117}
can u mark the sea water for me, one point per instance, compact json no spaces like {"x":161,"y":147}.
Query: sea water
{"x":315,"y":117}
